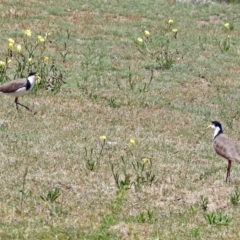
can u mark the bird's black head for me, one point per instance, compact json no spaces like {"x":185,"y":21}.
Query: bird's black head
{"x":217,"y":124}
{"x":32,"y":74}
{"x":218,"y":128}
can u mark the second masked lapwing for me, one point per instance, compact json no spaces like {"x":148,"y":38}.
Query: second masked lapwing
{"x":224,"y":146}
{"x":19,"y":87}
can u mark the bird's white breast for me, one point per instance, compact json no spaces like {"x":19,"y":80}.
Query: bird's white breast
{"x":19,"y":92}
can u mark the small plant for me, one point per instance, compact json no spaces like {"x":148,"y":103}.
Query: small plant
{"x":194,"y":210}
{"x":91,"y":161}
{"x":158,"y":49}
{"x":52,"y":195}
{"x":133,"y":171}
{"x":117,"y":203}
{"x":142,"y":218}
{"x":53,"y":207}
{"x":143,"y":172}
{"x":204,"y":203}
{"x":211,"y":218}
{"x":146,"y":217}
{"x":112,"y":103}
{"x":102,"y":232}
{"x":214,"y":219}
{"x":225,"y":44}
{"x":23,"y":192}
{"x":146,"y":86}
{"x":195,"y":232}
{"x":133,"y":84}
{"x":130,"y":80}
{"x":235,"y":197}
{"x":223,"y":220}
{"x":164,"y":58}
{"x":122,"y":183}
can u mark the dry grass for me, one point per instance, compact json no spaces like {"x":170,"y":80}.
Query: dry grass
{"x":51,"y":149}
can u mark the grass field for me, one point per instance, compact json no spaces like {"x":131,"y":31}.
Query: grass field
{"x":59,"y":180}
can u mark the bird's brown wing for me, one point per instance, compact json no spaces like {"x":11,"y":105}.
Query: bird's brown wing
{"x":13,"y":86}
{"x":226,"y":148}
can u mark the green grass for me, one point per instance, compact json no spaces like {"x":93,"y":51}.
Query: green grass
{"x":115,"y":87}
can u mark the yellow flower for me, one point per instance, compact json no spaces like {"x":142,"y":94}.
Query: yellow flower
{"x":10,"y":46}
{"x":40,"y":38}
{"x":103,"y":138}
{"x":46,"y":59}
{"x":174,"y":30}
{"x":146,"y":160}
{"x":27,"y":32}
{"x":9,"y":61}
{"x":140,"y":40}
{"x":227,"y":25}
{"x":10,"y":40}
{"x":132,"y":142}
{"x":30,"y":60}
{"x":147,"y":34}
{"x":170,"y":22}
{"x":228,"y":37}
{"x":2,"y":63}
{"x":38,"y":80}
{"x":47,"y":34}
{"x":19,"y":48}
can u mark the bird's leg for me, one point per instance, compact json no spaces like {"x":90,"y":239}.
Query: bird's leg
{"x":228,"y":178}
{"x":17,"y":103}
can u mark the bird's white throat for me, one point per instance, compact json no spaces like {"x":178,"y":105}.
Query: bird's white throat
{"x":216,"y":131}
{"x":31,"y":79}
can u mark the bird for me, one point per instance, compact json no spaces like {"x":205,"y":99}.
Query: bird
{"x":19,"y":87}
{"x":225,"y":147}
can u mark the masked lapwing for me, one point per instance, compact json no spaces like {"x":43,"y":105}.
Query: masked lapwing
{"x":19,"y":87}
{"x":224,"y":146}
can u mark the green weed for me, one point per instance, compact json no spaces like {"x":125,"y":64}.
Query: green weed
{"x":215,"y":219}
{"x":235,"y":197}
{"x":225,"y":44}
{"x":163,"y":56}
{"x":52,"y":195}
{"x":146,"y":217}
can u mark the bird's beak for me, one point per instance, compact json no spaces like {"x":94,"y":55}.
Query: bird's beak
{"x":210,"y":126}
